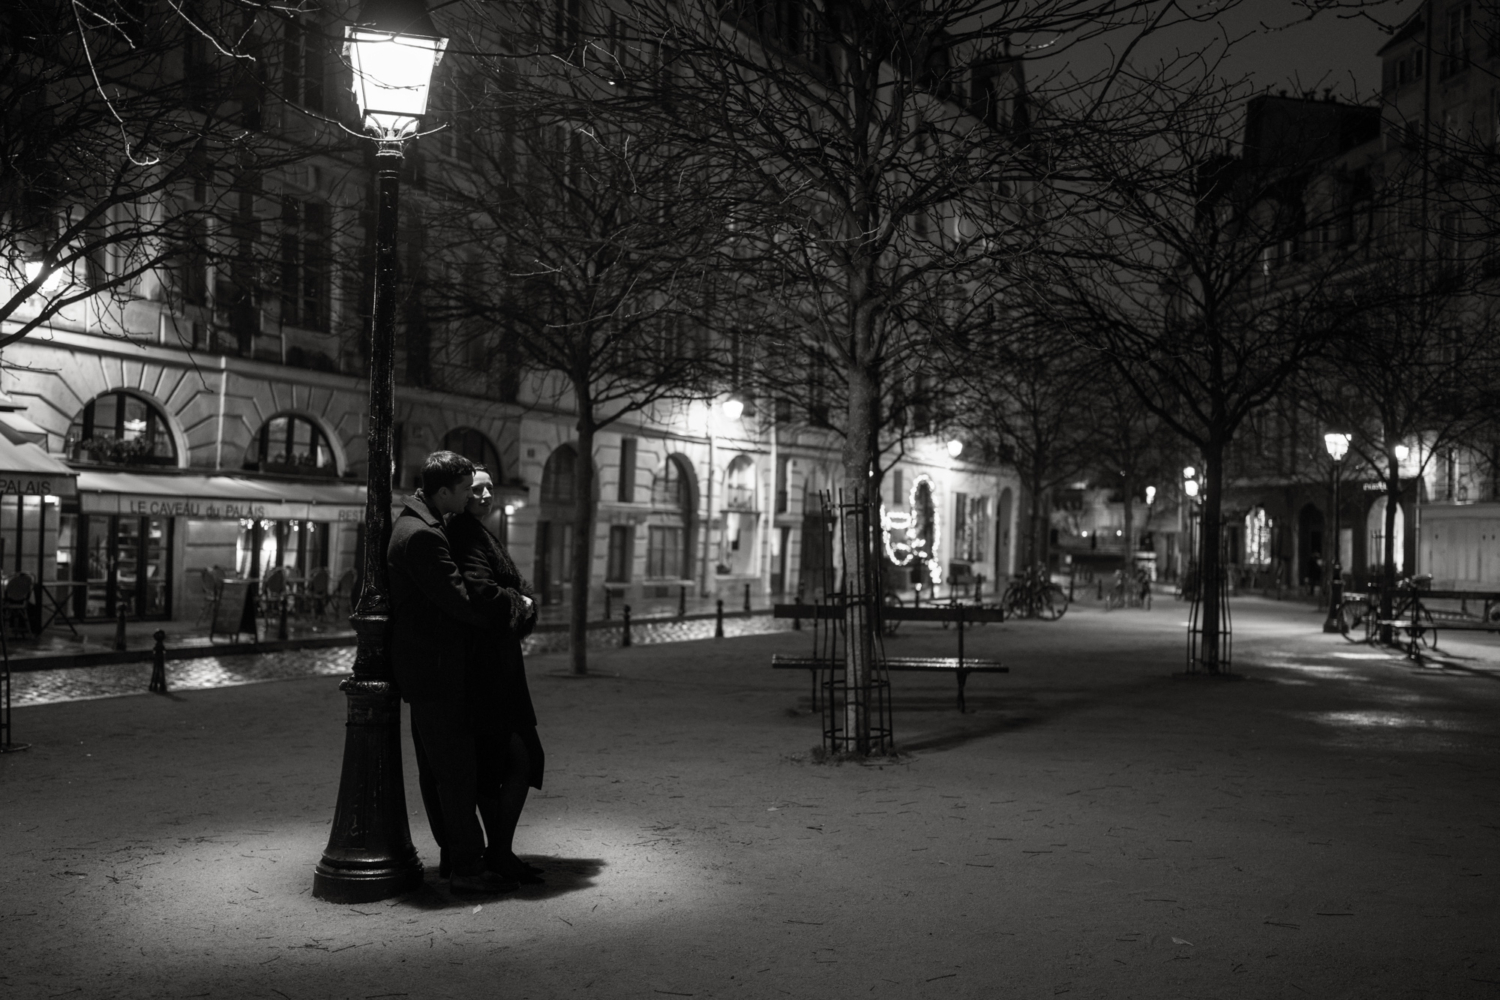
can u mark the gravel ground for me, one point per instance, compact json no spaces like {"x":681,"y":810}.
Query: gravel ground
{"x":1094,"y":827}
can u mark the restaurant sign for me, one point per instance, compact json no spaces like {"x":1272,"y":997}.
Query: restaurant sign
{"x":31,"y":486}
{"x":213,"y":509}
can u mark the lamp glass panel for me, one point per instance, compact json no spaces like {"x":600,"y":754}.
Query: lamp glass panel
{"x":392,"y":77}
{"x":1337,"y":444}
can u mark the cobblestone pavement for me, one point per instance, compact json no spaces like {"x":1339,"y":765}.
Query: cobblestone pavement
{"x":41,"y":687}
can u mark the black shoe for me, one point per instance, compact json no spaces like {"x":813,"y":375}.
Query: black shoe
{"x":515,"y":869}
{"x":482,"y":884}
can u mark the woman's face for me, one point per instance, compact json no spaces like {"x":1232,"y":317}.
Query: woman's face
{"x":484,"y":495}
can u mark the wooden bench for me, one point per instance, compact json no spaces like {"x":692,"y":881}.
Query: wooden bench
{"x":960,"y":665}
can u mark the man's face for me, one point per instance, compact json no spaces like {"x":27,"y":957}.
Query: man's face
{"x":452,"y":500}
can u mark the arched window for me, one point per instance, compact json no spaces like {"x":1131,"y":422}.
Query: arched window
{"x":558,"y":475}
{"x":289,"y":445}
{"x":120,"y":428}
{"x":669,"y":535}
{"x":474,"y":446}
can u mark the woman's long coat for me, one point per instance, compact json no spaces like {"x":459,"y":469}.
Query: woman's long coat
{"x":497,"y":671}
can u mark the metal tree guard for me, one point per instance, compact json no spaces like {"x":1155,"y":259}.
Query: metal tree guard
{"x":856,"y":701}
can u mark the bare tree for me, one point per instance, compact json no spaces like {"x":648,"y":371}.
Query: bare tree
{"x":582,"y":249}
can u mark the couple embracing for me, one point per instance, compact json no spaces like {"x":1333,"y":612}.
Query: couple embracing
{"x":459,"y":610}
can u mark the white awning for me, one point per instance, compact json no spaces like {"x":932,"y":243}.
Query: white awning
{"x":27,"y":470}
{"x":221,"y":498}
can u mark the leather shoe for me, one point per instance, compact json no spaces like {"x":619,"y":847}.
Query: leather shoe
{"x":514,"y":868}
{"x":484,"y":883}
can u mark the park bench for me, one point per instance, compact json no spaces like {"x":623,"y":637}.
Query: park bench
{"x":1415,"y":615}
{"x":960,"y":666}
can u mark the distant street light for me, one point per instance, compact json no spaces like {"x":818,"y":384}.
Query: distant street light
{"x":393,"y":48}
{"x":1338,"y":446}
{"x":955,"y":448}
{"x":1191,"y":488}
{"x":1150,"y":495}
{"x":1402,"y":452}
{"x":35,"y":266}
{"x":733,"y":408}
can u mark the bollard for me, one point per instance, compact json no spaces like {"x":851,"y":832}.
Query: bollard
{"x":797,"y":622}
{"x":747,"y":597}
{"x":682,"y":602}
{"x":606,"y":604}
{"x":719,"y":619}
{"x":1100,"y":595}
{"x":120,"y":628}
{"x":625,"y":632}
{"x":281,"y":627}
{"x":159,"y":663}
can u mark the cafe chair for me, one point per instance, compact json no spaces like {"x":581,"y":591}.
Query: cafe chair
{"x":212,"y":583}
{"x":341,"y":597}
{"x":317,"y":594}
{"x":272,"y":591}
{"x":15,"y":601}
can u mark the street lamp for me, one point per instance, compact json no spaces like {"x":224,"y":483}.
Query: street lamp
{"x":955,"y":448}
{"x":1338,"y":446}
{"x":733,"y":408}
{"x":393,"y":48}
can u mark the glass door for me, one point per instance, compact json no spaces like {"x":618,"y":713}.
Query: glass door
{"x":124,"y":562}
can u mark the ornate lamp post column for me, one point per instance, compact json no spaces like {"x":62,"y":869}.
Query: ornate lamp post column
{"x":1338,"y":446}
{"x":393,"y":48}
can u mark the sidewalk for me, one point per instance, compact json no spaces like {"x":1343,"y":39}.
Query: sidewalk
{"x":1094,"y":827}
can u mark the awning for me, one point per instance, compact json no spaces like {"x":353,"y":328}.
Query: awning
{"x":27,"y":470}
{"x":221,"y":498}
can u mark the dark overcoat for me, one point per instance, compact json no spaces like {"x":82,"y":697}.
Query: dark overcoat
{"x":495,"y":589}
{"x":431,"y":614}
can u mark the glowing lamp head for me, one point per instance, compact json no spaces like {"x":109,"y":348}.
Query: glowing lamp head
{"x":1191,"y":487}
{"x":955,"y":448}
{"x":1150,"y":495}
{"x":1337,"y":445}
{"x":1189,"y":472}
{"x":393,"y":47}
{"x":34,"y":269}
{"x":1402,"y":452}
{"x":733,"y":408}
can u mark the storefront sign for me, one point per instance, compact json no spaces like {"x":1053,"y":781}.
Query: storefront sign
{"x":37,"y":486}
{"x":202,"y":509}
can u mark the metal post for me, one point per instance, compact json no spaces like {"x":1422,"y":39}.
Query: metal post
{"x":1336,"y":587}
{"x":120,"y":627}
{"x":719,"y":619}
{"x":747,"y":597}
{"x":158,"y":683}
{"x":625,"y":634}
{"x":682,"y":601}
{"x":370,"y":854}
{"x":281,"y":632}
{"x":606,"y":604}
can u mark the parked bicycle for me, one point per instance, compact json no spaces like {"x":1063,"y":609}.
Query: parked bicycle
{"x":1132,"y":593}
{"x":1032,"y":594}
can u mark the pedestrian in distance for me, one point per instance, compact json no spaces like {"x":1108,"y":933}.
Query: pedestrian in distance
{"x":510,"y":753}
{"x":430,"y":619}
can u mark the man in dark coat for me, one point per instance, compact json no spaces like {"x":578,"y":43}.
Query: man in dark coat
{"x":429,"y":611}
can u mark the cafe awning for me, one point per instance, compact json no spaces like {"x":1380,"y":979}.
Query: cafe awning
{"x":27,"y":470}
{"x":217,"y":497}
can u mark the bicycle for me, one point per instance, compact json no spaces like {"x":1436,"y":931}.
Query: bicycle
{"x":1136,"y":596}
{"x":1032,"y":594}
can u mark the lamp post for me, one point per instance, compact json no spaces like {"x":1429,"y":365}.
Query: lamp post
{"x":393,"y":48}
{"x":1338,"y":446}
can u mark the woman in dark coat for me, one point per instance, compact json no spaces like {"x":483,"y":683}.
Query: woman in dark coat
{"x":510,"y":753}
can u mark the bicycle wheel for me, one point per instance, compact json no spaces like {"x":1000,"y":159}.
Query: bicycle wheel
{"x":1348,"y":620}
{"x":1053,"y":604}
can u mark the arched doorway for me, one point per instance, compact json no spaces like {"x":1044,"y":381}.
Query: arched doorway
{"x":1310,"y":545}
{"x":123,"y":561}
{"x":737,"y":541}
{"x":1375,"y":535}
{"x":815,"y":568}
{"x":671,"y":530}
{"x":554,"y":529}
{"x":1003,"y":547}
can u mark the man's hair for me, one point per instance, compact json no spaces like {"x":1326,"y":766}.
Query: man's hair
{"x":444,"y":468}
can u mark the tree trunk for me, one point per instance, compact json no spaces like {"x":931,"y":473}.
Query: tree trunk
{"x":861,"y":454}
{"x":583,"y":537}
{"x":1209,"y":557}
{"x":1127,"y":561}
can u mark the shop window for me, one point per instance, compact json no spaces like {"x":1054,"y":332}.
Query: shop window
{"x":123,"y":563}
{"x":119,"y":428}
{"x":621,"y":538}
{"x":290,"y":445}
{"x":298,"y":547}
{"x":476,"y":447}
